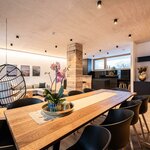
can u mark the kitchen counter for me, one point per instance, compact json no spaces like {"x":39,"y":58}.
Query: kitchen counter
{"x":101,"y":84}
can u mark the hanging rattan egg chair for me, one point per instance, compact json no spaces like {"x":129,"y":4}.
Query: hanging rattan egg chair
{"x":12,"y":84}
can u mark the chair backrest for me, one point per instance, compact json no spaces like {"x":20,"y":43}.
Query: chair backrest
{"x":85,"y":90}
{"x":74,"y":92}
{"x":94,"y":138}
{"x":135,"y":107}
{"x":118,"y":123}
{"x":120,"y":89}
{"x":23,"y":102}
{"x":6,"y":139}
{"x":144,"y":105}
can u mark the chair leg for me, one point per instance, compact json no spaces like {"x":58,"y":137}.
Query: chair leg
{"x":74,"y":133}
{"x":56,"y":146}
{"x":146,"y":144}
{"x":138,"y":138}
{"x":148,"y":132}
{"x":92,"y":122}
{"x":146,"y":127}
{"x":141,"y":128}
{"x":131,"y":143}
{"x":78,"y":131}
{"x":145,"y":123}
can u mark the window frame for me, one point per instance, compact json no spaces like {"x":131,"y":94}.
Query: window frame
{"x":96,"y":60}
{"x":105,"y":62}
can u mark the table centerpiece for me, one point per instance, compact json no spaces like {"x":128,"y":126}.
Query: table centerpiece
{"x":56,"y":103}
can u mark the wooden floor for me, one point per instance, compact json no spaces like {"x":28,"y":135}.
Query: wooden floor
{"x":67,"y":142}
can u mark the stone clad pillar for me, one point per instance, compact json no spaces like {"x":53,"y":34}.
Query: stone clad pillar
{"x":74,"y":60}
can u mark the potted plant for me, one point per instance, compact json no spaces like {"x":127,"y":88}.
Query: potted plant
{"x":54,"y":98}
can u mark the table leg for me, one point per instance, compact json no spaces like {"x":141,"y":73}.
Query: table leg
{"x":56,"y":146}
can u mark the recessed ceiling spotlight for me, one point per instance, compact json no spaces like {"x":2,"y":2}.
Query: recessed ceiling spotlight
{"x":17,"y":36}
{"x":11,"y":44}
{"x":45,"y":51}
{"x":117,"y":46}
{"x":71,"y":40}
{"x":107,"y":53}
{"x":129,"y":35}
{"x":115,"y":21}
{"x":53,"y":33}
{"x":99,"y":4}
{"x":84,"y":53}
{"x":100,"y":50}
{"x":56,"y":46}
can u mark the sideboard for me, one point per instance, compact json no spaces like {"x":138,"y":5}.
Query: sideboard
{"x":142,"y":87}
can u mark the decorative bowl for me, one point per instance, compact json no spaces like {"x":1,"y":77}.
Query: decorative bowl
{"x":65,"y":112}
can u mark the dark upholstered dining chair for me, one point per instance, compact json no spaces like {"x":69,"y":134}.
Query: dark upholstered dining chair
{"x":118,"y":123}
{"x":85,"y":90}
{"x":142,"y":111}
{"x":6,"y":140}
{"x":23,"y":102}
{"x":74,"y":92}
{"x":93,"y":138}
{"x":135,"y":107}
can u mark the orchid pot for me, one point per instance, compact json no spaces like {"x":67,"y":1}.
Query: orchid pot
{"x":54,"y":107}
{"x":55,"y":100}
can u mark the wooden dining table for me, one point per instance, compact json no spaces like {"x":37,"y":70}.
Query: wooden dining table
{"x":29,"y":135}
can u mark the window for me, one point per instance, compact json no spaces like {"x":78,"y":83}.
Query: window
{"x":99,"y":64}
{"x":118,"y":62}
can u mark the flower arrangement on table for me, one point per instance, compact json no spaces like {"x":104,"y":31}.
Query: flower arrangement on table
{"x":55,"y":99}
{"x":59,"y":76}
{"x":142,"y":73}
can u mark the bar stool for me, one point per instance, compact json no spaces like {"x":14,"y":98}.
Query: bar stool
{"x":129,"y":87}
{"x":135,"y":107}
{"x":120,"y":89}
{"x":118,"y":123}
{"x":142,"y":111}
{"x":122,"y":85}
{"x":93,"y":138}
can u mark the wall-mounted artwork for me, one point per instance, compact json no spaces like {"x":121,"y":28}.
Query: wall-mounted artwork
{"x":11,"y":70}
{"x":36,"y":70}
{"x":25,"y":69}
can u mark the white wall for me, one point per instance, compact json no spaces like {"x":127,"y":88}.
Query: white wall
{"x":133,"y":66}
{"x":22,"y":58}
{"x":143,"y":49}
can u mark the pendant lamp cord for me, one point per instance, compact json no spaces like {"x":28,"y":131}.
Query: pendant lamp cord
{"x":6,"y":40}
